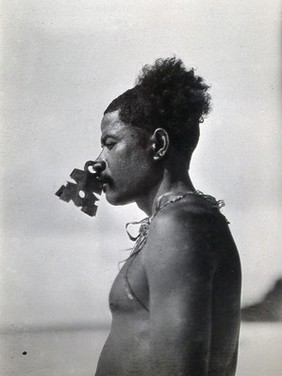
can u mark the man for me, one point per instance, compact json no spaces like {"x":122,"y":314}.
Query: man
{"x":176,"y":301}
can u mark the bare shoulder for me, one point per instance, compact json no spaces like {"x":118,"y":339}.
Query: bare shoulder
{"x":188,"y":232}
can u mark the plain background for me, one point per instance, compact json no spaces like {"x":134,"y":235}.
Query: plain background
{"x":62,"y":63}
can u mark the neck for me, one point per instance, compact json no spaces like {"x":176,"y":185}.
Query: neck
{"x":169,"y":183}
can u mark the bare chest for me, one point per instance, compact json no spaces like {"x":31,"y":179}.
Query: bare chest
{"x":130,"y":291}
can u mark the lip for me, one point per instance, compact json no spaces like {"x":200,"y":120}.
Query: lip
{"x":103,"y":179}
{"x":105,"y":184}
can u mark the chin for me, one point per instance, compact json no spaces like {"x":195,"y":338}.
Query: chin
{"x":117,"y":200}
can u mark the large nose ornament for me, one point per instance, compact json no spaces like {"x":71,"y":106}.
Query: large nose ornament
{"x":82,"y":192}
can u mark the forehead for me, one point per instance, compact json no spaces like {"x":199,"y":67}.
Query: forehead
{"x":111,"y":122}
{"x":111,"y":125}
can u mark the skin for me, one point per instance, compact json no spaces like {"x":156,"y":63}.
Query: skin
{"x":184,"y":317}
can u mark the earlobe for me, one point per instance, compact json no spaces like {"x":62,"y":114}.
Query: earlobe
{"x":159,"y":155}
{"x":160,"y":143}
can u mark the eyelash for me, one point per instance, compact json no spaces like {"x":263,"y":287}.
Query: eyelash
{"x":110,"y":145}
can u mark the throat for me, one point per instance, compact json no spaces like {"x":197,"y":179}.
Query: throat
{"x":148,"y":203}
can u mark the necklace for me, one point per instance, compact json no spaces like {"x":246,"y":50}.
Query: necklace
{"x":141,"y":238}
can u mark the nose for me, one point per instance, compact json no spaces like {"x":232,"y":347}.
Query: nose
{"x":99,"y":166}
{"x":95,"y":167}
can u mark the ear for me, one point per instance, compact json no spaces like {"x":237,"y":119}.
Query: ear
{"x":160,"y":143}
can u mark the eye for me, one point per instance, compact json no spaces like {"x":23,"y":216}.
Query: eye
{"x":109,"y":145}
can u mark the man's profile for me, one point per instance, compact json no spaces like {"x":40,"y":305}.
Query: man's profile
{"x":176,"y":301}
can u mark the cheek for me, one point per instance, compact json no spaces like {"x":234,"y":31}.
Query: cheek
{"x":138,"y":163}
{"x":128,"y":159}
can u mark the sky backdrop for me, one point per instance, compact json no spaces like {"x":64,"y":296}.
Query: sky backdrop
{"x":62,"y":63}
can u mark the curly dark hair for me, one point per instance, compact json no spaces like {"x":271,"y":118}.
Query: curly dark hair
{"x":166,"y":95}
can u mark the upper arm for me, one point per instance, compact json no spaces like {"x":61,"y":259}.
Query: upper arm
{"x":180,"y":263}
{"x":180,"y":259}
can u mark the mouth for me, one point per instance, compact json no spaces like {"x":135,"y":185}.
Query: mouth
{"x":105,"y":182}
{"x":104,"y":187}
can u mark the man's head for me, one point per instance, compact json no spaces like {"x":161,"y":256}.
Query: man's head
{"x":150,"y":129}
{"x":166,"y":96}
{"x":129,"y":169}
